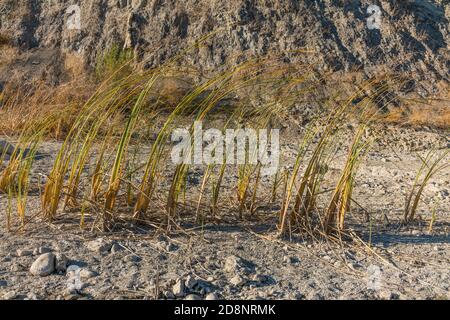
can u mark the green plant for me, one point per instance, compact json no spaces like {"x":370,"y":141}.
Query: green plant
{"x":112,"y":60}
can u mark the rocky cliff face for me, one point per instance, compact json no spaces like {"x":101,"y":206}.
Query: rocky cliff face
{"x":408,"y":35}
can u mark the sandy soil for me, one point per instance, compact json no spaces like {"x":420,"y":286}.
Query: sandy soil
{"x":231,"y":259}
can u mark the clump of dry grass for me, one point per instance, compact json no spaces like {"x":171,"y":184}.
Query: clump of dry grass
{"x":322,"y":141}
{"x":8,"y":54}
{"x":133,"y":94}
{"x":23,"y":106}
{"x":432,"y":163}
{"x":342,"y":195}
{"x":434,"y":114}
{"x":15,"y":169}
{"x":304,"y":185}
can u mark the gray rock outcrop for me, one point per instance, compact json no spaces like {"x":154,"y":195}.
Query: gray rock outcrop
{"x":412,"y":36}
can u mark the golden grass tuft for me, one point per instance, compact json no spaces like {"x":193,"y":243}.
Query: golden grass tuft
{"x":25,"y":106}
{"x":432,"y":163}
{"x":435,"y":115}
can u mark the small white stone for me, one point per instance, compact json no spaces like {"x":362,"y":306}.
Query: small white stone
{"x":41,"y":250}
{"x":169,"y":295}
{"x":237,"y":281}
{"x":99,"y":245}
{"x":234,"y":264}
{"x":32,"y":296}
{"x":260,"y":278}
{"x":178,"y":289}
{"x":44,"y":265}
{"x":190,"y":282}
{"x":87,"y":274}
{"x":211,"y":296}
{"x":23,"y":253}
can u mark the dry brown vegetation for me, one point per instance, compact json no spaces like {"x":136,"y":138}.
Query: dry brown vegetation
{"x":4,"y":40}
{"x":419,"y":113}
{"x":7,"y":51}
{"x":35,"y":104}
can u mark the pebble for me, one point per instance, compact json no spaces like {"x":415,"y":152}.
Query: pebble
{"x":193,"y":297}
{"x":354,"y":265}
{"x":171,"y":247}
{"x":394,"y":296}
{"x":211,"y":296}
{"x":237,"y":281}
{"x":260,"y":278}
{"x":179,"y":289}
{"x":190,"y":282}
{"x":388,"y":295}
{"x":61,"y":263}
{"x":99,"y":245}
{"x":17,"y":268}
{"x":219,"y":283}
{"x":294,"y":260}
{"x":205,"y":290}
{"x":169,"y":295}
{"x":231,"y":264}
{"x":444,"y":194}
{"x":32,"y":296}
{"x":71,"y":295}
{"x":44,"y":265}
{"x":132,"y":258}
{"x":116,"y":248}
{"x":3,"y":283}
{"x":41,"y":250}
{"x":88,"y":274}
{"x":236,"y":265}
{"x":23,"y":253}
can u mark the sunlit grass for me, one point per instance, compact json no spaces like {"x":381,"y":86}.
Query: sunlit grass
{"x":432,"y":163}
{"x":110,"y":126}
